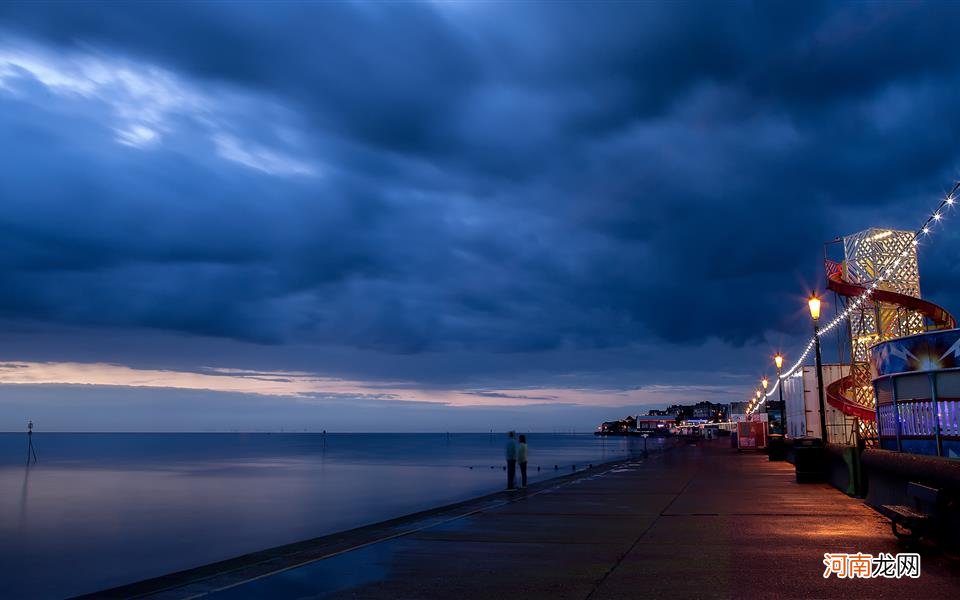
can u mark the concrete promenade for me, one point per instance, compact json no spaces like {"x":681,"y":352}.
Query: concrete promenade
{"x":697,"y":521}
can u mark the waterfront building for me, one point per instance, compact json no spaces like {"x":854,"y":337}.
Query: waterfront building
{"x":622,"y":426}
{"x":612,"y":427}
{"x":737,"y":411}
{"x":663,"y":419}
{"x":654,"y":423}
{"x":708,"y":411}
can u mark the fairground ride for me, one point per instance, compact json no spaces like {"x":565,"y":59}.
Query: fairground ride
{"x":893,"y":309}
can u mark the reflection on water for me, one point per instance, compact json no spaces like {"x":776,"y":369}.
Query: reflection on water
{"x":24,"y":494}
{"x":99,"y":510}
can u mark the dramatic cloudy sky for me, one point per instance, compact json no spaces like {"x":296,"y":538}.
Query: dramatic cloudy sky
{"x":429,"y":216}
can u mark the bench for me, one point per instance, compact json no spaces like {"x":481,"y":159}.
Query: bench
{"x":918,"y":519}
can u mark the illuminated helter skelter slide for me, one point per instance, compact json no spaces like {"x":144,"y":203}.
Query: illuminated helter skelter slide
{"x":894,"y":309}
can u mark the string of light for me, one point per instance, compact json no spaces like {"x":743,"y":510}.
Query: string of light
{"x":935,"y":217}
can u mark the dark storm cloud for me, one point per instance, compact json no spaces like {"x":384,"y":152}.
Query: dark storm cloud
{"x":484,"y":177}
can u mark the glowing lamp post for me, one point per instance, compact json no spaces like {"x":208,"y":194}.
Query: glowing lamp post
{"x":778,"y":361}
{"x":814,"y":303}
{"x":764,"y":383}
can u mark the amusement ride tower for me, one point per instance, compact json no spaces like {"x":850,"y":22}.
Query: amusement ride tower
{"x":894,"y":309}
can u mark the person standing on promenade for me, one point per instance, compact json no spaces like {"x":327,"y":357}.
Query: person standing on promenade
{"x":511,"y":460}
{"x":522,"y":459}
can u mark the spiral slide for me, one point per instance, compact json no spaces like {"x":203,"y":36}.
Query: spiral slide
{"x":836,"y":391}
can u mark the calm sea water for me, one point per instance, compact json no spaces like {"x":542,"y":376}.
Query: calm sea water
{"x":100,"y":510}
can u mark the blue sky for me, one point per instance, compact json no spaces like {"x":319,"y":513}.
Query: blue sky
{"x":431,"y":216}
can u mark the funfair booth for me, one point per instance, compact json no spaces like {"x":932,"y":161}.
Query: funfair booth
{"x":916,"y":382}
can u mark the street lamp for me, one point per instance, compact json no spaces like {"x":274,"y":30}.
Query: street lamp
{"x":778,"y":361}
{"x":764,"y":383}
{"x":814,"y":303}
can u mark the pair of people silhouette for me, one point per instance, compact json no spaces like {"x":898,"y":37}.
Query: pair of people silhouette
{"x":516,"y":453}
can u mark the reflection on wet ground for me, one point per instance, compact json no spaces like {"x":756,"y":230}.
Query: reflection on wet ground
{"x":698,"y":521}
{"x":343,"y":572}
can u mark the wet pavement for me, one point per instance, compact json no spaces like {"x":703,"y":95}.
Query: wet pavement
{"x":697,"y":521}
